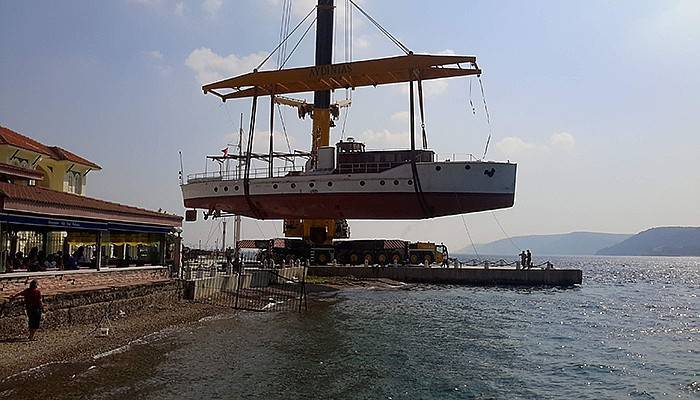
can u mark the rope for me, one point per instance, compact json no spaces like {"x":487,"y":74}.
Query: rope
{"x":284,"y":129}
{"x":488,"y":118}
{"x":382,"y":29}
{"x":345,"y":119}
{"x":464,"y":222}
{"x":504,"y":232}
{"x":285,"y":39}
{"x":422,"y":114}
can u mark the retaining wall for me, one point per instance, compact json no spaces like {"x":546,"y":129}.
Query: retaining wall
{"x":87,"y":305}
{"x":458,"y":276}
{"x":58,"y":281}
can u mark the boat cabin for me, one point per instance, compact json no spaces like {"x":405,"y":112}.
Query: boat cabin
{"x":352,"y":158}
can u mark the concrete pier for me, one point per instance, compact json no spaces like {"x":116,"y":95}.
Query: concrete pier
{"x":458,"y":276}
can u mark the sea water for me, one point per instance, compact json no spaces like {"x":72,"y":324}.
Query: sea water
{"x":631,"y":330}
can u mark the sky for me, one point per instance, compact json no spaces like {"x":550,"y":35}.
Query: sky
{"x":596,"y":101}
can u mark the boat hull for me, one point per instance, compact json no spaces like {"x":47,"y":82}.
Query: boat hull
{"x":435,"y":189}
{"x":356,"y":205}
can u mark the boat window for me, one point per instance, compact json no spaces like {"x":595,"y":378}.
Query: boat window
{"x":396,"y":182}
{"x":216,"y":189}
{"x":225,"y":188}
{"x":274,"y":186}
{"x":362,"y":183}
{"x":438,"y":168}
{"x":294,"y":185}
{"x":467,"y":166}
{"x":311,"y":184}
{"x":235,"y":187}
{"x":410,"y":182}
{"x":382,"y":183}
{"x":330,"y":184}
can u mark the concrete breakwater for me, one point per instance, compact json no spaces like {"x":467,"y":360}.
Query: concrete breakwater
{"x":458,"y":276}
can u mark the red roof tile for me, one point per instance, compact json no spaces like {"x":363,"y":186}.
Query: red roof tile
{"x":13,"y":170}
{"x":32,"y":199}
{"x":8,"y":136}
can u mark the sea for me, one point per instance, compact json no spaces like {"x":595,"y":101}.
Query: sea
{"x":630,"y":331}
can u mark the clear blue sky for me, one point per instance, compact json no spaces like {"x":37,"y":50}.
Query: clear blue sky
{"x":597,"y":101}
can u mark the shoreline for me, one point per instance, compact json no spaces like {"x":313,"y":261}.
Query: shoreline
{"x":81,"y":343}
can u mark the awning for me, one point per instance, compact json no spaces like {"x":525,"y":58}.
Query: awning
{"x":345,"y":75}
{"x":66,"y":224}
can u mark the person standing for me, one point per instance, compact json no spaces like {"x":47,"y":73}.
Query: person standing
{"x":33,"y":306}
{"x":528,"y":259}
{"x":523,"y":259}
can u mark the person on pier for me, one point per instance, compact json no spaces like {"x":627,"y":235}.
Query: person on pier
{"x":528,"y":259}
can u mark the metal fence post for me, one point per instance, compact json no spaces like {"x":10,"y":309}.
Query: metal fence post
{"x":238,"y":284}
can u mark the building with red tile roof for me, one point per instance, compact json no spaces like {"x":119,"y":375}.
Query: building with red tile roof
{"x":43,"y":212}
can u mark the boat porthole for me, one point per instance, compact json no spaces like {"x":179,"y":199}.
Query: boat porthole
{"x":216,"y":189}
{"x":311,"y":184}
{"x":225,"y":188}
{"x":438,"y":168}
{"x":396,"y":183}
{"x":294,"y":185}
{"x":274,"y":186}
{"x":382,"y":183}
{"x":362,"y":183}
{"x":236,"y":188}
{"x":330,"y":184}
{"x":410,"y":182}
{"x":467,"y":166}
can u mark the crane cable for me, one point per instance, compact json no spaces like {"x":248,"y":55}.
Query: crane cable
{"x":298,"y":42}
{"x":285,"y":39}
{"x":504,"y":232}
{"x":464,"y":222}
{"x":284,"y":30}
{"x":488,"y":118}
{"x":391,"y":37}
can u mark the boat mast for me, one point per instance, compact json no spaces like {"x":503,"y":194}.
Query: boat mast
{"x":321,"y":116}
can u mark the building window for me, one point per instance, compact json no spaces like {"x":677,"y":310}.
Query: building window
{"x":75,"y":182}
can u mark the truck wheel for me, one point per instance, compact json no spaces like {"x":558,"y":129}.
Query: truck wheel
{"x":369,"y":258}
{"x":395,"y":258}
{"x":414,"y":259}
{"x":381,"y":259}
{"x":323,"y":258}
{"x":428,"y":259}
{"x":354,"y":259}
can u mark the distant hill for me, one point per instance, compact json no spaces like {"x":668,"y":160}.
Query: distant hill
{"x":662,"y":241}
{"x":574,"y":243}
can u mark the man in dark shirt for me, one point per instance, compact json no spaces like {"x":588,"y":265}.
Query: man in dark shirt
{"x":33,"y":305}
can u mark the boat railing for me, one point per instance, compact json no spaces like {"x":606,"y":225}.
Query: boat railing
{"x":446,"y":157}
{"x":253,"y":173}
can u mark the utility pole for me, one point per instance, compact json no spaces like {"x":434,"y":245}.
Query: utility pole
{"x":223,"y":236}
{"x":237,"y":218}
